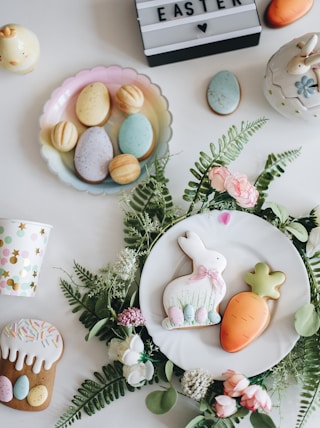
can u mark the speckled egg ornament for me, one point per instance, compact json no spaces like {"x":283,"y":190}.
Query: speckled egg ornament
{"x":292,"y":79}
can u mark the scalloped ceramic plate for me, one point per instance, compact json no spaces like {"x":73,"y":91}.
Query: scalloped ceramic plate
{"x":61,"y":106}
{"x":244,"y":241}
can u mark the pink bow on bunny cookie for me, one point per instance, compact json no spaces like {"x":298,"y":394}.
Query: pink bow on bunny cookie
{"x":213,"y":274}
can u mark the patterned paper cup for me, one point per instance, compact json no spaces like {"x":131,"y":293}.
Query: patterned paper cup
{"x":22,"y":248}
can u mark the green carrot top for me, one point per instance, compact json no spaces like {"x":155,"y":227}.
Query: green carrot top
{"x":263,"y":282}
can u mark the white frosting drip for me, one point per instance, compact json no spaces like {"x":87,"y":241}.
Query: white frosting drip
{"x":31,"y":342}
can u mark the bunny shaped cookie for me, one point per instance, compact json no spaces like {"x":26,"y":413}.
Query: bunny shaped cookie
{"x":193,"y":300}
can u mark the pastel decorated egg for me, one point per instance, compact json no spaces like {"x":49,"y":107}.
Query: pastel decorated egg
{"x":37,"y":395}
{"x":188,"y":313}
{"x":21,"y":387}
{"x":6,"y":391}
{"x":93,"y":154}
{"x":93,"y":104}
{"x":223,"y":93}
{"x":292,"y":79}
{"x":124,"y":168}
{"x":136,"y":136}
{"x":214,"y":317}
{"x":201,"y":315}
{"x":175,"y":315}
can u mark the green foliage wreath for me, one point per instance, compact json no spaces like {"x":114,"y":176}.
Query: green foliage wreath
{"x":99,"y":298}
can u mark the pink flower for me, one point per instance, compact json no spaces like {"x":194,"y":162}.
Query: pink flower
{"x":225,"y":406}
{"x":239,"y":187}
{"x":254,"y":398}
{"x":131,"y":317}
{"x":235,"y":383}
{"x":217,"y":176}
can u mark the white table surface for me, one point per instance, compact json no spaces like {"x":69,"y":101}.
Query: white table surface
{"x":81,"y":34}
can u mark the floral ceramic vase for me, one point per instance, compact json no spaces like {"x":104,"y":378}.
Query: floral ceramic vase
{"x":292,"y":79}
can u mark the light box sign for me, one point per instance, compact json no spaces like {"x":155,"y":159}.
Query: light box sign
{"x":179,"y":30}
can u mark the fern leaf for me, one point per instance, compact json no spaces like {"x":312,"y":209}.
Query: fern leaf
{"x":310,"y":395}
{"x":151,"y":210}
{"x":230,"y":146}
{"x":88,"y":279}
{"x":313,"y":268}
{"x":94,"y":395}
{"x":274,"y":167}
{"x":72,"y":294}
{"x":85,"y":305}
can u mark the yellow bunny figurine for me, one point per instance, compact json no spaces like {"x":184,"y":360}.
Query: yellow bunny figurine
{"x":19,"y":49}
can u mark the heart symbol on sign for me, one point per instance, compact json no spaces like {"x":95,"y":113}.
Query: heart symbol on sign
{"x":203,"y":27}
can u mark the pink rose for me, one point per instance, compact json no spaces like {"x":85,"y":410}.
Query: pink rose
{"x":235,"y":383}
{"x":239,"y":187}
{"x":254,"y":398}
{"x":217,"y":176}
{"x":225,"y":406}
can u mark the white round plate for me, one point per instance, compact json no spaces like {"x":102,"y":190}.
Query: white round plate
{"x":61,"y":106}
{"x":244,"y":241}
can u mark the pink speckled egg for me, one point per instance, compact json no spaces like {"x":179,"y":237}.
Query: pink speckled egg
{"x":175,"y":315}
{"x":201,"y":315}
{"x":6,"y":390}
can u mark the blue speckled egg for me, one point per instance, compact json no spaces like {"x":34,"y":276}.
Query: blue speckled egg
{"x":223,"y":93}
{"x":136,"y":136}
{"x":21,"y":387}
{"x":214,"y":317}
{"x":188,"y":313}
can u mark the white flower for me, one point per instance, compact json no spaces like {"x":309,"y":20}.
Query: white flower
{"x":136,"y":369}
{"x":313,"y":244}
{"x":195,"y":383}
{"x":137,"y":374}
{"x":130,"y":350}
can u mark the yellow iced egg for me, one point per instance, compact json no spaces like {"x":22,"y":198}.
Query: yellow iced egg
{"x":37,"y":395}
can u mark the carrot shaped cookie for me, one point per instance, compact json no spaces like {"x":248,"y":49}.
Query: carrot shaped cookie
{"x":247,"y":314}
